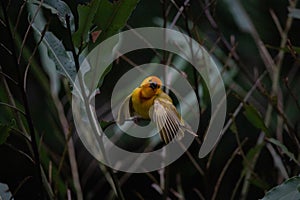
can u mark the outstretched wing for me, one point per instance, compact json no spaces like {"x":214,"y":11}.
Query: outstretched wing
{"x":167,"y":119}
{"x":125,"y":111}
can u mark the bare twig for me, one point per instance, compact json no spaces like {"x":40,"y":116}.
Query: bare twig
{"x":19,"y":17}
{"x":20,"y":152}
{"x":28,"y":29}
{"x":276,"y":21}
{"x":286,"y":83}
{"x":13,"y":107}
{"x":6,"y":49}
{"x":237,"y":110}
{"x":144,"y":40}
{"x":65,"y":125}
{"x":225,"y":169}
{"x":32,"y":56}
{"x":178,"y":14}
{"x":8,"y":77}
{"x":198,"y":193}
{"x":20,"y":185}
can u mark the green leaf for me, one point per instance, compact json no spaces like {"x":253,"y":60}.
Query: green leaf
{"x":108,"y":17}
{"x":284,"y":149}
{"x":255,"y":118}
{"x":64,"y":63}
{"x":86,"y":15}
{"x":4,"y":133}
{"x":286,"y":191}
{"x":111,"y":17}
{"x":59,"y":8}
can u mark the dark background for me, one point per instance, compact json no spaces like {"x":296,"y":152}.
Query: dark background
{"x":237,"y":52}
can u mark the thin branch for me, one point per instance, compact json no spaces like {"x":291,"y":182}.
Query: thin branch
{"x":6,"y":76}
{"x":13,"y":107}
{"x":286,"y":83}
{"x":291,"y":131}
{"x":194,"y":162}
{"x":245,"y":99}
{"x":144,"y":40}
{"x":20,"y":152}
{"x":198,"y":193}
{"x":65,"y":125}
{"x":32,"y":55}
{"x":216,"y":189}
{"x":276,"y":21}
{"x":178,"y":14}
{"x":5,"y":48}
{"x":19,"y":17}
{"x":215,"y":26}
{"x":28,"y":29}
{"x":20,"y":185}
{"x":2,"y":22}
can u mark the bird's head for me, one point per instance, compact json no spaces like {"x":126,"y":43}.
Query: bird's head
{"x":151,"y":86}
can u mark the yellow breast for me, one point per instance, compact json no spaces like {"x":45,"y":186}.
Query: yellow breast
{"x":141,"y":106}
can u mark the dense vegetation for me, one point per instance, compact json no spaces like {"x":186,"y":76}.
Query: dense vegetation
{"x":256,"y":46}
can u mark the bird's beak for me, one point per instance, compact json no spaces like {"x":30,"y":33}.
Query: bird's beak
{"x":154,"y":85}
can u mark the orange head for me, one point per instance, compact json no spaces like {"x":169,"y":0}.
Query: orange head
{"x":151,"y":86}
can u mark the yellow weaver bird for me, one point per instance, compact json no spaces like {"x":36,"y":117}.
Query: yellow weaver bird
{"x":148,"y":101}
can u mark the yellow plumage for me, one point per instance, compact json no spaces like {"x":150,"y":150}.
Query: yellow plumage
{"x":148,"y":101}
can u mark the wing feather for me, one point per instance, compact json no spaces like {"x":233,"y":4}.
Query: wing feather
{"x":167,"y":119}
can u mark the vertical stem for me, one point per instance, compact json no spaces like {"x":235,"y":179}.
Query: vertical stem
{"x":64,"y":123}
{"x":89,"y":112}
{"x":166,"y":183}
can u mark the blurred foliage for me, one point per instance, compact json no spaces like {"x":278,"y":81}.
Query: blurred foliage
{"x":255,"y":45}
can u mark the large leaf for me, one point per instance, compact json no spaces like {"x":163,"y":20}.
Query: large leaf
{"x":255,"y":118}
{"x":86,"y":15}
{"x":111,"y":17}
{"x":59,"y":8}
{"x":289,"y":190}
{"x":108,"y":17}
{"x":57,"y":52}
